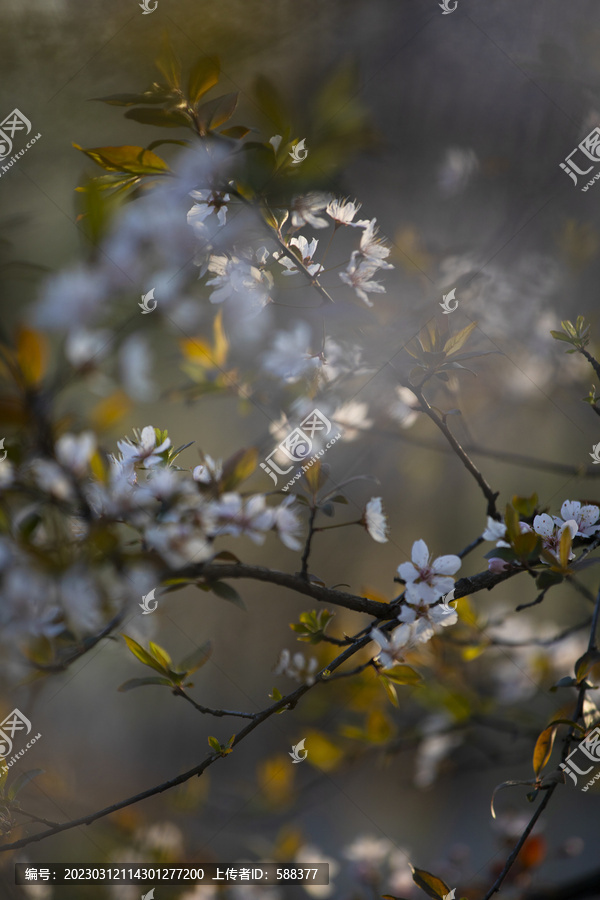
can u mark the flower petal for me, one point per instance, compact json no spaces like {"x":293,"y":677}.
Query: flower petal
{"x":420,"y":554}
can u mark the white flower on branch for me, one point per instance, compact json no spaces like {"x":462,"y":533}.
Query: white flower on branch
{"x":495,"y":531}
{"x":423,"y":620}
{"x":428,"y":580}
{"x":375,"y":521}
{"x":307,"y":250}
{"x":373,"y":248}
{"x":342,"y":211}
{"x":146,"y":450}
{"x":287,"y":524}
{"x":585,"y":516}
{"x":359,"y":275}
{"x":392,"y":648}
{"x":207,"y":203}
{"x":403,"y":409}
{"x":352,"y":413}
{"x":551,"y":532}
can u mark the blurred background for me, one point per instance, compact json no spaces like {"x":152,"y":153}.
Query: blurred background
{"x":455,"y":127}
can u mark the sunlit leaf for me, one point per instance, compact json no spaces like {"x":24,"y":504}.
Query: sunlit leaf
{"x":543,"y":749}
{"x":454,"y":343}
{"x":128,"y":158}
{"x":144,"y":656}
{"x":160,"y":655}
{"x":32,"y":355}
{"x":216,"y":112}
{"x":169,"y":64}
{"x":434,"y":887}
{"x":238,"y":468}
{"x":203,"y":76}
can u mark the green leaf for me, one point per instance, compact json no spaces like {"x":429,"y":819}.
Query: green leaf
{"x":403,"y":675}
{"x":160,"y":655}
{"x":196,"y":659}
{"x":163,"y":118}
{"x":226,"y":592}
{"x":238,"y":467}
{"x":216,"y":112}
{"x":169,"y":64}
{"x":454,"y":343}
{"x":237,"y":132}
{"x":130,"y":159}
{"x":21,"y":781}
{"x":434,"y":887}
{"x":141,"y":682}
{"x":390,"y":690}
{"x":585,"y":663}
{"x":525,"y":506}
{"x":144,"y":656}
{"x":214,"y":744}
{"x":203,"y":76}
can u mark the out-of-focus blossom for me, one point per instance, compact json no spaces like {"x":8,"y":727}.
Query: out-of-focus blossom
{"x":252,"y":518}
{"x":308,"y":854}
{"x":296,"y":667}
{"x":287,"y":524}
{"x":208,"y":472}
{"x":433,"y":749}
{"x":375,"y":521}
{"x":79,"y":597}
{"x":359,"y":275}
{"x":207,"y":203}
{"x":7,"y":473}
{"x":179,"y":543}
{"x":424,"y":619}
{"x":238,"y":281}
{"x":289,"y":357}
{"x":136,"y":364}
{"x":456,"y":170}
{"x":305,"y":210}
{"x":352,"y":413}
{"x":403,"y":409}
{"x":85,"y":348}
{"x":373,"y":248}
{"x":50,"y":478}
{"x":428,"y":580}
{"x":74,"y":452}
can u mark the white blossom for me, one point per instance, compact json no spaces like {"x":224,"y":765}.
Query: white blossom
{"x":207,"y":203}
{"x":84,"y":347}
{"x":74,"y":452}
{"x":289,"y":356}
{"x":403,"y":409}
{"x":342,"y":211}
{"x":208,"y":472}
{"x":428,"y":580}
{"x":305,"y":210}
{"x":359,"y":275}
{"x":585,"y":517}
{"x":307,"y":250}
{"x":296,"y":667}
{"x":551,"y":532}
{"x":238,"y":281}
{"x":375,"y":520}
{"x":146,"y":450}
{"x":392,"y":648}
{"x":234,"y":517}
{"x":287,"y":524}
{"x":373,"y":248}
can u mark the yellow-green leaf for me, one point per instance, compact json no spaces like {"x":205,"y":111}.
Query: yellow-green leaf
{"x":403,"y":675}
{"x":543,"y":749}
{"x":238,"y":467}
{"x":169,"y":64}
{"x":32,"y":355}
{"x":160,"y":655}
{"x":144,"y":656}
{"x":204,"y":76}
{"x":454,"y":343}
{"x":434,"y":887}
{"x":128,"y":158}
{"x":196,"y":659}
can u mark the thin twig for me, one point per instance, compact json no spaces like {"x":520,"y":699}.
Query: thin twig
{"x":179,"y":692}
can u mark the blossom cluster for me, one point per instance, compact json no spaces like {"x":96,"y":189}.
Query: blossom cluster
{"x":73,"y":571}
{"x":581,"y":520}
{"x":427,"y":582}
